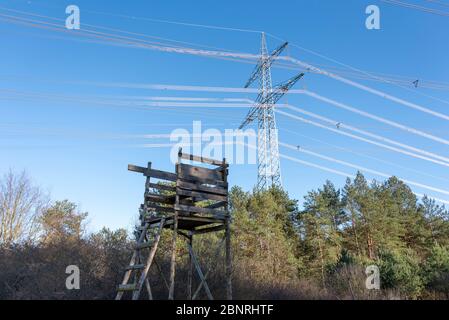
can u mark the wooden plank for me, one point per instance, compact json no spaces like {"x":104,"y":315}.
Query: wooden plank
{"x":188,"y":202}
{"x":160,"y":186}
{"x":217,"y":205}
{"x":228,"y":265}
{"x":202,"y":173}
{"x":159,"y":198}
{"x":202,"y":219}
{"x":154,"y":222}
{"x":134,"y":168}
{"x":214,"y":212}
{"x":190,"y":271}
{"x":209,"y":229}
{"x":198,"y":187}
{"x":158,"y":174}
{"x":153,"y":173}
{"x":150,"y":294}
{"x":194,"y":179}
{"x":159,"y":208}
{"x":191,"y":157}
{"x":201,"y":195}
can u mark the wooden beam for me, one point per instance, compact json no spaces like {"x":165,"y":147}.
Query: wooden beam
{"x":199,"y":172}
{"x":200,"y":273}
{"x":214,"y":212}
{"x":150,"y":294}
{"x":190,"y":270}
{"x":191,"y":157}
{"x":161,"y":174}
{"x":134,"y":168}
{"x":213,"y":182}
{"x":159,"y":208}
{"x":153,"y":173}
{"x":161,"y":186}
{"x":210,"y":229}
{"x":218,"y":205}
{"x":160,"y":198}
{"x":228,"y":259}
{"x":217,"y":252}
{"x":201,"y":195}
{"x":203,"y":219}
{"x":199,"y":187}
{"x":171,"y":291}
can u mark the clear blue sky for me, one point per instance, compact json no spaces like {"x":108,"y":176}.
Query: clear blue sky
{"x":76,"y":149}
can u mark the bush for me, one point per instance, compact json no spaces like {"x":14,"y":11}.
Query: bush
{"x":436,"y":270}
{"x":401,"y":271}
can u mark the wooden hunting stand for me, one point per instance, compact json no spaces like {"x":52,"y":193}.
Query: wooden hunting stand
{"x":175,"y":206}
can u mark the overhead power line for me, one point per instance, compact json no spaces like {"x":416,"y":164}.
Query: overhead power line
{"x":222,"y":54}
{"x":368,"y":89}
{"x":369,"y":134}
{"x":292,"y":91}
{"x":361,"y":74}
{"x":365,"y":155}
{"x":382,"y":145}
{"x":377,"y":118}
{"x":417,"y":7}
{"x":361,"y":168}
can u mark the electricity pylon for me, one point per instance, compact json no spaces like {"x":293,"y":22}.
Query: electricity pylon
{"x":268,"y":163}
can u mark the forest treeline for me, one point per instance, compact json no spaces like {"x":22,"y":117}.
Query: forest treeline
{"x":280,"y":251}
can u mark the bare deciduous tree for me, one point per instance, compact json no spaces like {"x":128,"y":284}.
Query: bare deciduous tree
{"x":21,"y":204}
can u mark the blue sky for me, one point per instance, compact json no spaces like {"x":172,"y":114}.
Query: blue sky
{"x":79,"y":151}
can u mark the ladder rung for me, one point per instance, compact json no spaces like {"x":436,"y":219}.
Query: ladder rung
{"x":127,"y":287}
{"x":135,"y":267}
{"x":143,"y":245}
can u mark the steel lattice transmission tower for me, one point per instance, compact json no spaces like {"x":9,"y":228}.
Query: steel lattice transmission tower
{"x":268,"y":163}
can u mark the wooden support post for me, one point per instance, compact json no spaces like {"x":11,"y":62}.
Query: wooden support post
{"x":173,"y":256}
{"x":171,"y":292}
{"x":228,"y":241}
{"x":190,"y":270}
{"x":228,"y":259}
{"x":147,"y":284}
{"x":147,"y":189}
{"x":147,"y":181}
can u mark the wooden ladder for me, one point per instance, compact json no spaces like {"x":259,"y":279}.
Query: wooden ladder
{"x":140,"y":268}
